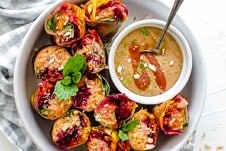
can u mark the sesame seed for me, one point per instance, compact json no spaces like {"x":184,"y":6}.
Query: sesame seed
{"x":119,"y":69}
{"x":171,"y":62}
{"x":152,"y":67}
{"x":136,"y":76}
{"x":129,"y":60}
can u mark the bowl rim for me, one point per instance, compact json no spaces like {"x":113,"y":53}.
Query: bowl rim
{"x":197,"y":100}
{"x":185,"y":72}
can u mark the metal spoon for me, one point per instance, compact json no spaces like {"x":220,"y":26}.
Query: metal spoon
{"x":156,"y":50}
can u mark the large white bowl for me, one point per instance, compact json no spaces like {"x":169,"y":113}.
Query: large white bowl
{"x":186,"y":65}
{"x":25,"y":81}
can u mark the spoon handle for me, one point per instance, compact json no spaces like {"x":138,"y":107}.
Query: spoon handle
{"x":173,"y":12}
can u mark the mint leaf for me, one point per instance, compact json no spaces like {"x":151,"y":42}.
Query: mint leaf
{"x":123,"y":136}
{"x":74,"y":64}
{"x":76,"y":77}
{"x":72,"y":72}
{"x":64,"y":92}
{"x":129,"y":126}
{"x":125,"y":128}
{"x":66,"y":80}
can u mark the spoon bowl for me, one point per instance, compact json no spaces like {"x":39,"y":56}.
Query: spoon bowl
{"x":120,"y":63}
{"x":157,"y":50}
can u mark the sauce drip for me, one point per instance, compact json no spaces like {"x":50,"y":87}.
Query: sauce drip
{"x":143,"y":81}
{"x":160,"y":77}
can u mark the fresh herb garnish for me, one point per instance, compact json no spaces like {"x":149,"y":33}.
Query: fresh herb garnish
{"x":142,"y":65}
{"x":134,"y":18}
{"x":125,"y":44}
{"x":64,"y":92}
{"x":125,"y":128}
{"x":75,"y":65}
{"x":145,"y":31}
{"x":72,"y":72}
{"x":123,"y":136}
{"x":134,"y":41}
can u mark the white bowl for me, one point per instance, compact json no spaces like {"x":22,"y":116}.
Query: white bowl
{"x":186,"y":65}
{"x":25,"y":81}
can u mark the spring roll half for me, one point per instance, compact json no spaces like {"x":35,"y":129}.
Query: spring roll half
{"x":106,"y":16}
{"x":91,"y":90}
{"x":66,"y":24}
{"x":102,"y":139}
{"x":144,"y":135}
{"x":172,"y":115}
{"x":71,"y":130}
{"x":50,"y":58}
{"x":114,"y":109}
{"x":45,"y":102}
{"x":92,"y":48}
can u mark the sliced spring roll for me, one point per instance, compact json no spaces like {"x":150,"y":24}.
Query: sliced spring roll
{"x":102,"y":139}
{"x":114,"y":109}
{"x":106,"y":16}
{"x":172,"y":115}
{"x":50,"y":58}
{"x":92,"y":48}
{"x":66,"y":24}
{"x":45,"y":102}
{"x":71,"y":130}
{"x":144,"y":135}
{"x":91,"y":91}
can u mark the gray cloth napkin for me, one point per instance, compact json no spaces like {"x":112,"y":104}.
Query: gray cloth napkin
{"x":16,"y":16}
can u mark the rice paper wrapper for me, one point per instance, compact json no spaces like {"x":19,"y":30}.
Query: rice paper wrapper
{"x":172,"y":115}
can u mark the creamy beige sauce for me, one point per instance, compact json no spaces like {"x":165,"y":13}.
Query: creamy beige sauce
{"x":170,"y":62}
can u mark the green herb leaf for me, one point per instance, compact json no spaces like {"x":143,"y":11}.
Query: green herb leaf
{"x":66,"y":80}
{"x":134,"y":18}
{"x":123,"y":136}
{"x":129,"y":126}
{"x":74,"y":64}
{"x":72,"y":72}
{"x":134,"y":41}
{"x":142,"y":65}
{"x":76,"y":77}
{"x":145,"y":31}
{"x":125,"y":128}
{"x":64,"y":92}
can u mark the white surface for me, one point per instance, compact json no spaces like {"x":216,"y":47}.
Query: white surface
{"x":207,"y":21}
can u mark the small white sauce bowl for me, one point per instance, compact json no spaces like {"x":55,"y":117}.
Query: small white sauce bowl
{"x":186,"y":67}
